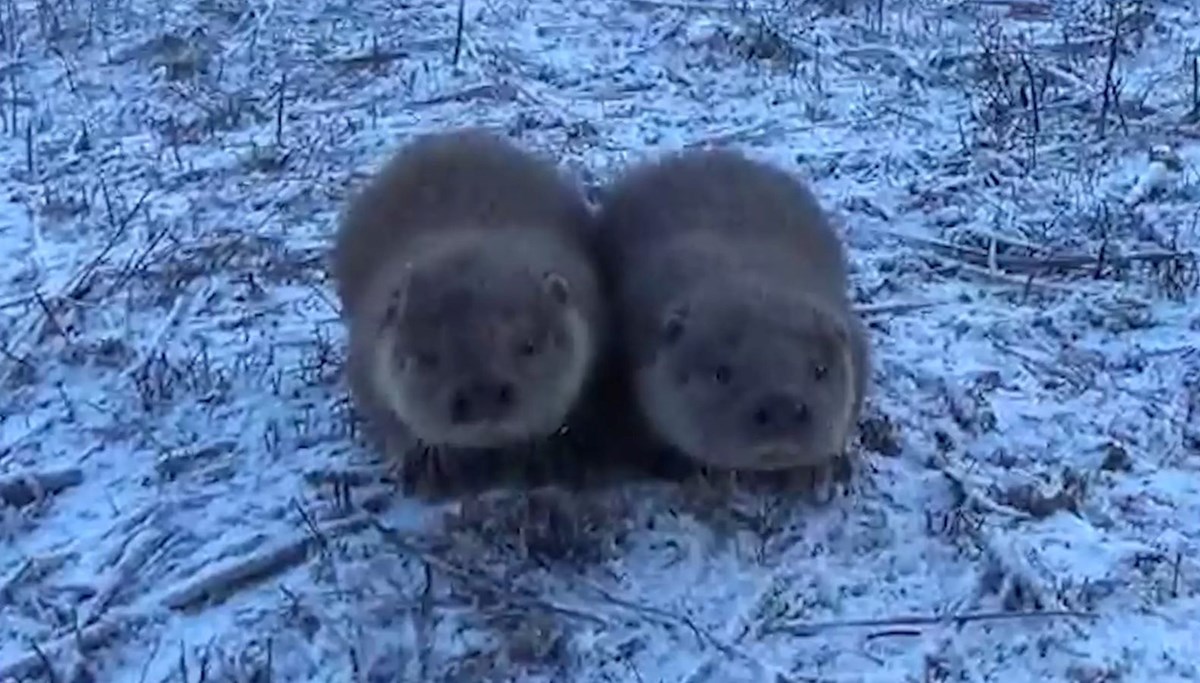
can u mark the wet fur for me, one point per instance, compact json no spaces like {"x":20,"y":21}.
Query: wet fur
{"x":741,"y":254}
{"x":468,"y":218}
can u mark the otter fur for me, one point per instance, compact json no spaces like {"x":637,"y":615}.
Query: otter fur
{"x":473,"y":306}
{"x":736,"y":329}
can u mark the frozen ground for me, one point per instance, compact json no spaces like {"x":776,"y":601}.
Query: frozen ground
{"x":180,"y":495}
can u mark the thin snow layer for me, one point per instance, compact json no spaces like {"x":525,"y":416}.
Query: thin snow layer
{"x":182,"y":497}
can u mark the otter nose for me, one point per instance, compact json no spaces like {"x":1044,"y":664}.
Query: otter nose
{"x":779,"y":412}
{"x":481,"y":401}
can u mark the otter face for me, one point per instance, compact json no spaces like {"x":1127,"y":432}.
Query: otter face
{"x":763,"y":386}
{"x":477,"y":357}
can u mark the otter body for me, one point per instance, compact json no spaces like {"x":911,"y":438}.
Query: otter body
{"x":736,"y":328}
{"x":470,"y":294}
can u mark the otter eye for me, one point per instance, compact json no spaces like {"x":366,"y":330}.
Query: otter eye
{"x":672,"y":330}
{"x":819,"y":370}
{"x":721,"y":374}
{"x":527,"y":348}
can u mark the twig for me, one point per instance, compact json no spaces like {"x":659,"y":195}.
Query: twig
{"x":807,"y":629}
{"x":78,"y":285}
{"x":86,"y":640}
{"x":1051,"y":367}
{"x":183,"y":308}
{"x":736,"y":631}
{"x":460,"y":23}
{"x":1027,"y":264}
{"x":500,"y":92}
{"x":956,"y":247}
{"x":378,"y":57}
{"x":373,"y":58}
{"x":22,"y":489}
{"x":229,"y":576}
{"x":29,"y":160}
{"x":1022,"y":264}
{"x":897,"y":307}
{"x":687,"y":6}
{"x":704,"y":636}
{"x":745,"y":134}
{"x":481,"y":581}
{"x":136,"y":261}
{"x":311,"y":526}
{"x":51,"y":319}
{"x":31,"y":570}
{"x":1024,"y":284}
{"x":47,"y":666}
{"x":1034,"y":101}
{"x":279,"y":110}
{"x":1110,"y":88}
{"x":1195,"y":86}
{"x":19,"y":439}
{"x":972,"y":494}
{"x":125,"y":572}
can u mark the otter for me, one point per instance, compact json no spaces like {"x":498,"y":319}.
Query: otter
{"x":736,"y":329}
{"x":471,"y":297}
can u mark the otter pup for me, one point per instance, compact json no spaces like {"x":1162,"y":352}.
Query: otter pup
{"x":736,"y":329}
{"x":471,"y":298}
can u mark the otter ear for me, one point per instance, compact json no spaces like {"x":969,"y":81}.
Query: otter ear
{"x":841,"y":333}
{"x":557,"y":287}
{"x":829,"y":326}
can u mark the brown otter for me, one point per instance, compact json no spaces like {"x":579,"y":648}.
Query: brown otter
{"x":473,"y":304}
{"x":736,"y":329}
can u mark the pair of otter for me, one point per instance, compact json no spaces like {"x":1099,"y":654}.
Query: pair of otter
{"x":483,"y":296}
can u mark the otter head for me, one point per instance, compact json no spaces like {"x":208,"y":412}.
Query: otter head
{"x":480,"y":350}
{"x":748,"y":380}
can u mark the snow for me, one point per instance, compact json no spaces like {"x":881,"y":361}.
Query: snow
{"x":182,"y":497}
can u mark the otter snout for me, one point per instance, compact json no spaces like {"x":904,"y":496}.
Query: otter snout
{"x":482,"y":401}
{"x":778,"y":414}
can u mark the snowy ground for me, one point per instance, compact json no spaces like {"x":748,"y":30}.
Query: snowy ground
{"x":181,"y":498}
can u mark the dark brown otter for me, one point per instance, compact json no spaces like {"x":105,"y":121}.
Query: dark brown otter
{"x":735,"y":325}
{"x":472,"y":301}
